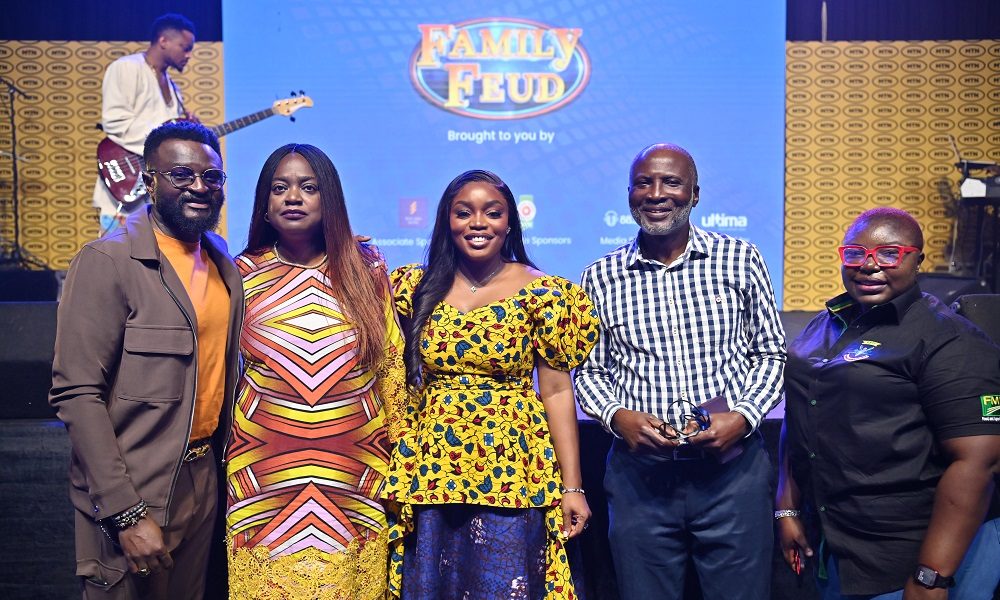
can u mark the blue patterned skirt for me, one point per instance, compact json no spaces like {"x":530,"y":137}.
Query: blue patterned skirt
{"x":461,"y":551}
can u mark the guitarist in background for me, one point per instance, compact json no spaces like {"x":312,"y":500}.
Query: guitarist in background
{"x":139,"y":96}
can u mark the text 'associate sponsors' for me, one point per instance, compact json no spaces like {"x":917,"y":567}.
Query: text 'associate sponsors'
{"x":399,"y":242}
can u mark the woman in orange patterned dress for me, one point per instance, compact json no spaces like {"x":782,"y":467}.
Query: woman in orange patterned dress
{"x":308,"y":454}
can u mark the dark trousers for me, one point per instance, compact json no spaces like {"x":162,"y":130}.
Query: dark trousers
{"x":187,"y":537}
{"x":664,"y":511}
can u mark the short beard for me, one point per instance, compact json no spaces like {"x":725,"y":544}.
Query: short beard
{"x":679,"y":219}
{"x":172,"y":215}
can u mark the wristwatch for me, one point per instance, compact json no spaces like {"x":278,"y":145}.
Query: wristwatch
{"x":930,"y":579}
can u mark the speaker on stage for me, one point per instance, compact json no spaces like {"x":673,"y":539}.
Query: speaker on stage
{"x":30,"y":286}
{"x":983,"y":310}
{"x":29,"y":330}
{"x":947,"y":288}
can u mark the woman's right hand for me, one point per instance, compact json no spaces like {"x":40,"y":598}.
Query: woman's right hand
{"x":794,"y":546}
{"x":576,"y":514}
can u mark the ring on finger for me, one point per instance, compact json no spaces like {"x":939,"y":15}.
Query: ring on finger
{"x":143,"y":572}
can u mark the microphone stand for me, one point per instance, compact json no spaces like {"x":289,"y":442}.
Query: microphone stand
{"x":17,"y":257}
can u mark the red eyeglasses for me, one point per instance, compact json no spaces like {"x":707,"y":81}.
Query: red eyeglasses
{"x":887,"y":256}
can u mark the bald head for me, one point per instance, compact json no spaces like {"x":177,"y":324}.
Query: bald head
{"x":901,"y":221}
{"x":662,"y":149}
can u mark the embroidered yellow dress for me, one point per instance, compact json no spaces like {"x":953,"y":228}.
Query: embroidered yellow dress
{"x":478,"y":432}
{"x":309,"y":450}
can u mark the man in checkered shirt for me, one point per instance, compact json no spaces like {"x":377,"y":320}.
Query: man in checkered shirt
{"x":689,"y":327}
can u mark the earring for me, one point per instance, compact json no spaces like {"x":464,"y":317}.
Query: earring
{"x":267,"y":217}
{"x":508,"y":230}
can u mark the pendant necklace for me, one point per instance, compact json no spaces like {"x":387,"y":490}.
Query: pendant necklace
{"x":474,"y":285}
{"x":291,"y":264}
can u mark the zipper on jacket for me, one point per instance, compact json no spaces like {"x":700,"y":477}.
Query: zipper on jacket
{"x":237,"y":375}
{"x":194,"y":395}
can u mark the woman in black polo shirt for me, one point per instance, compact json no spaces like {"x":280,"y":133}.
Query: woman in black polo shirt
{"x":892,"y":431}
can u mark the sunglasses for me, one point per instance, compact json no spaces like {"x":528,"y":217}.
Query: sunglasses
{"x":183,"y":177}
{"x":887,"y":256}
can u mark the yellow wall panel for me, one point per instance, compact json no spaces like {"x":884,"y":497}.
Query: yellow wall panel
{"x":867,"y":124}
{"x":57,"y":135}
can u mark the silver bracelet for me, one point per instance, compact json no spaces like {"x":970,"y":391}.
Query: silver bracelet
{"x":129,"y":517}
{"x":574,"y":491}
{"x":787,"y":512}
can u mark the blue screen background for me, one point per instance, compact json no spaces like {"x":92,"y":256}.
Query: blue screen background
{"x":708,"y":76}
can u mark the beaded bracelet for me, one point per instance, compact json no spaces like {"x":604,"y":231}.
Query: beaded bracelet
{"x":574,"y":491}
{"x":787,"y":512}
{"x":129,"y":517}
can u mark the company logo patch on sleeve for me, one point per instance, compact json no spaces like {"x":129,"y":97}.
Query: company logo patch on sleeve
{"x":991,"y":407}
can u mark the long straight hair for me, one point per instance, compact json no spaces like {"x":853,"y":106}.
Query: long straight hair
{"x":442,"y":261}
{"x":357,"y":280}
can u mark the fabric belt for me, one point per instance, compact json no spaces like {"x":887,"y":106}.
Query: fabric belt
{"x":197,"y":449}
{"x":498,"y":381}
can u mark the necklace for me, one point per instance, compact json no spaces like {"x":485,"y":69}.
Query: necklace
{"x":291,"y":264}
{"x":475,"y":285}
{"x":145,"y":59}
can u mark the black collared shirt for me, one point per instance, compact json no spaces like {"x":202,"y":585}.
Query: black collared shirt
{"x":869,"y":396}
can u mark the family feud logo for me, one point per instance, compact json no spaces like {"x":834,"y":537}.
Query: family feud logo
{"x":499,"y":68}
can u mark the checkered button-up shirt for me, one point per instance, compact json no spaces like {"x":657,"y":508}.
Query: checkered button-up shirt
{"x":705,"y":325}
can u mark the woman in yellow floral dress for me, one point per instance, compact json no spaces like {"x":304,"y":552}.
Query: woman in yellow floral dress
{"x":312,"y":429}
{"x":486,"y":474}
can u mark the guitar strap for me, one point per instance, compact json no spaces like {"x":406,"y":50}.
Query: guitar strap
{"x":177,"y":95}
{"x":114,"y":220}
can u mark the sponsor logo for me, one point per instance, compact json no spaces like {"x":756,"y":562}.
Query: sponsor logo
{"x":861,"y":352}
{"x":412,"y":212}
{"x":499,"y":68}
{"x":527,"y":210}
{"x":800,"y":67}
{"x":724,"y":221}
{"x":799,"y":52}
{"x":613,"y":218}
{"x":991,"y":406}
{"x":827,"y":52}
{"x":614,"y":240}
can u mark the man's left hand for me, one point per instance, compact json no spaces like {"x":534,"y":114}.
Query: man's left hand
{"x":915,"y":591}
{"x":727,"y":429}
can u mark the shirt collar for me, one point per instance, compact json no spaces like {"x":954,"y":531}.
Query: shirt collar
{"x":844,"y":308}
{"x":697,"y":246}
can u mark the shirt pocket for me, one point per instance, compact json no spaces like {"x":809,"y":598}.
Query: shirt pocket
{"x":154,"y":364}
{"x":634,"y":327}
{"x":716,"y":319}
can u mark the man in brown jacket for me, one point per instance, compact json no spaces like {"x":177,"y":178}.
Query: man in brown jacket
{"x":146,"y":362}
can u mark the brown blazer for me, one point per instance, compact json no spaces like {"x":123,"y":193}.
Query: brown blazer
{"x":124,"y":374}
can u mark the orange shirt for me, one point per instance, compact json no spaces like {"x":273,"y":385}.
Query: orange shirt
{"x":210,"y":297}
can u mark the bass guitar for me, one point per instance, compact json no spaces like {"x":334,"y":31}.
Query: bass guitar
{"x":121,"y":170}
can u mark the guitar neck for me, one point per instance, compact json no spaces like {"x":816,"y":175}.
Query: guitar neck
{"x":234,"y":125}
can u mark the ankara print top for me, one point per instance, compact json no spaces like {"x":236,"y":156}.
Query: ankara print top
{"x":478,"y":432}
